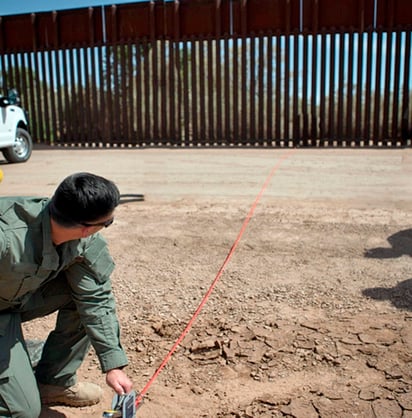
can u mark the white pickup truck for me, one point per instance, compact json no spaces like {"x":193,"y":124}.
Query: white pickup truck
{"x":16,"y":143}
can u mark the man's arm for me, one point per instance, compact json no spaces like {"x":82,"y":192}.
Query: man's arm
{"x":92,"y":293}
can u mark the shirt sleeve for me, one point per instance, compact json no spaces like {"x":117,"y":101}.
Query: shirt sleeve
{"x":92,"y":293}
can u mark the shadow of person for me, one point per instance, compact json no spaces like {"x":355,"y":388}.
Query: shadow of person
{"x":401,"y":244}
{"x":49,"y":413}
{"x":400,"y":296}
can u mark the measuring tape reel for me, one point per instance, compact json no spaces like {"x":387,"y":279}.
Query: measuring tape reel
{"x":123,"y":406}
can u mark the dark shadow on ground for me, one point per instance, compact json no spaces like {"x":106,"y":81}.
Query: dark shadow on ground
{"x":400,"y":296}
{"x":49,"y":413}
{"x":401,"y":244}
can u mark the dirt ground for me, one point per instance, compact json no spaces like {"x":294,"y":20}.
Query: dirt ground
{"x":312,"y":314}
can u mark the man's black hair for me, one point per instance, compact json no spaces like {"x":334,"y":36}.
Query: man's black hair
{"x":83,"y":198}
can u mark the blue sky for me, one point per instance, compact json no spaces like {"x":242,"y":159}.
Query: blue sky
{"x":8,"y":7}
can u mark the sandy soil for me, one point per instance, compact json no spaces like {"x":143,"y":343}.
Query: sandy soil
{"x":312,"y":314}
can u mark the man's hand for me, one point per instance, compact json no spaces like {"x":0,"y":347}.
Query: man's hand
{"x":118,"y":381}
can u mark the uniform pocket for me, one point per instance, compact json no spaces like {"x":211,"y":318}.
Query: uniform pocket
{"x":24,"y":278}
{"x":18,"y":390}
{"x":10,"y":335}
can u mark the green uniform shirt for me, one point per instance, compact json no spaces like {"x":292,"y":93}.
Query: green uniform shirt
{"x":29,"y":259}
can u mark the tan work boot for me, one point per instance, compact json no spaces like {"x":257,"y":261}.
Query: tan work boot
{"x":81,"y":394}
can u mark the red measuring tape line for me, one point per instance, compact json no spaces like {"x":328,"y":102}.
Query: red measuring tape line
{"x":140,"y":395}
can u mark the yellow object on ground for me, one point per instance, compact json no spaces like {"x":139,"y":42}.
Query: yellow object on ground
{"x":1,"y":175}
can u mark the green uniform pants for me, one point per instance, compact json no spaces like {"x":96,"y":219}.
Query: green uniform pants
{"x":63,"y":352}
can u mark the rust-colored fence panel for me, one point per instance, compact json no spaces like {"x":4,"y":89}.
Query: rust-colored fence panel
{"x":338,"y":16}
{"x":393,"y":14}
{"x":265,"y":17}
{"x":215,"y":73}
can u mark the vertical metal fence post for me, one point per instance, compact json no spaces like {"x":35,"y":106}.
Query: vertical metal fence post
{"x":216,"y":72}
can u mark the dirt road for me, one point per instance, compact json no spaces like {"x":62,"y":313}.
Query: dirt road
{"x":312,"y":316}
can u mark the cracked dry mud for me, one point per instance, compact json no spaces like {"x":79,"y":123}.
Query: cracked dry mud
{"x":312,"y":316}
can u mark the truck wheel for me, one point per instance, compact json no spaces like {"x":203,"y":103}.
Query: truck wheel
{"x":22,"y":148}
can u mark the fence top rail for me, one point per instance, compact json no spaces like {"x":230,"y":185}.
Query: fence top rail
{"x":179,"y":20}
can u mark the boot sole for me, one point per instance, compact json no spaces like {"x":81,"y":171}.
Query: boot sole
{"x":68,"y":402}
